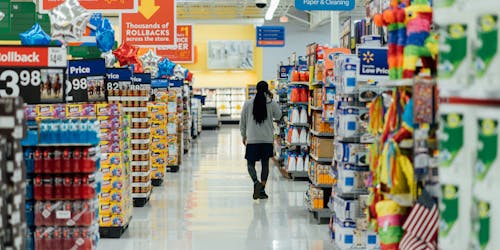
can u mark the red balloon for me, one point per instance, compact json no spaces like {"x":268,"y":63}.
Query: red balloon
{"x":138,"y":68}
{"x":126,"y":54}
{"x":189,"y":76}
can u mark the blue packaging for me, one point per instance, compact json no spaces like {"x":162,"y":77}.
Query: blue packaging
{"x":29,"y":189}
{"x":28,"y":160}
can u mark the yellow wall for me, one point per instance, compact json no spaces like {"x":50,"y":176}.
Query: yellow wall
{"x":207,"y":78}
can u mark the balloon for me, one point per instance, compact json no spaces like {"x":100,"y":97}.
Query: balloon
{"x":166,"y":67}
{"x":105,"y":36}
{"x":95,"y":22}
{"x":180,"y":72}
{"x":126,"y":54}
{"x":189,"y":76}
{"x":109,"y":59}
{"x":137,"y":68}
{"x":35,"y":36}
{"x":2,"y":15}
{"x":150,"y":62}
{"x":68,"y":21}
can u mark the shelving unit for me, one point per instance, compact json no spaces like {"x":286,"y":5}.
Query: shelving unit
{"x":228,"y":101}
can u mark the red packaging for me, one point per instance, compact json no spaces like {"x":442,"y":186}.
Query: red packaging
{"x":57,"y":161}
{"x":40,"y":239}
{"x":75,"y":163}
{"x":86,"y":211}
{"x":295,"y":76}
{"x":38,"y":162}
{"x":39,"y":218}
{"x":58,"y":188}
{"x":68,"y":241}
{"x":48,"y":188}
{"x":304,"y":95}
{"x":48,"y":160}
{"x":38,"y":188}
{"x":56,"y":238}
{"x":87,"y":189}
{"x":77,"y":183}
{"x":87,"y":240}
{"x":87,"y":163}
{"x":66,"y":160}
{"x":62,"y":218}
{"x":294,"y":96}
{"x":49,"y":239}
{"x":68,"y":188}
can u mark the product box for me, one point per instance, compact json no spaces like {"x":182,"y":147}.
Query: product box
{"x":108,"y":109}
{"x":80,"y":110}
{"x":322,"y":147}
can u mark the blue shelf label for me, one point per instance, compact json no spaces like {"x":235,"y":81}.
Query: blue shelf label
{"x":373,"y":64}
{"x":332,"y":5}
{"x":159,"y":83}
{"x":118,"y":78}
{"x":141,"y":78}
{"x":86,"y":81}
{"x":270,"y":36}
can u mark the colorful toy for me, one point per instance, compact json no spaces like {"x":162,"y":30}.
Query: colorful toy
{"x":394,"y":19}
{"x":420,"y":44}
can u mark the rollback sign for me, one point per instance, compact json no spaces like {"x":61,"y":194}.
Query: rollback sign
{"x":37,"y":74}
{"x":86,"y":81}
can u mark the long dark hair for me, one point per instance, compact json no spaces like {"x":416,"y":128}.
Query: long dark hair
{"x":260,"y":103}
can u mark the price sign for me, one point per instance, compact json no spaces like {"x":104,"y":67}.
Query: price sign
{"x":118,"y":79}
{"x":36,"y":74}
{"x":86,"y":81}
{"x":141,"y":81}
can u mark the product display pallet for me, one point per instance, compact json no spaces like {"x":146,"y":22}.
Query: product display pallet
{"x":322,"y":216}
{"x":113,"y":232}
{"x":173,"y":169}
{"x":141,"y":202}
{"x":157,"y":182}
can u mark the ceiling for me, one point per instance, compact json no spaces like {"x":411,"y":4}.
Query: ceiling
{"x":226,"y":9}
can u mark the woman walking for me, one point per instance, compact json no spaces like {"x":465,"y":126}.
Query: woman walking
{"x":257,"y":130}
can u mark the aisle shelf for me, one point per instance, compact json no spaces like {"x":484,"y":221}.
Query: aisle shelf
{"x":321,"y":134}
{"x":317,"y":108}
{"x":299,"y":124}
{"x":114,"y":232}
{"x":320,"y":185}
{"x":317,"y":84}
{"x":329,"y":102}
{"x":321,"y":159}
{"x":397,"y":83}
{"x":299,"y":174}
{"x":349,"y":195}
{"x":298,"y":84}
{"x":305,"y":144}
{"x":298,"y":103}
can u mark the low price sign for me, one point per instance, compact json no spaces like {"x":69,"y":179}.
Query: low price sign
{"x":101,"y":5}
{"x":86,"y":81}
{"x":153,"y":25}
{"x":118,"y":79}
{"x":373,"y":65}
{"x":37,"y":74}
{"x":183,"y":51}
{"x":331,"y":5}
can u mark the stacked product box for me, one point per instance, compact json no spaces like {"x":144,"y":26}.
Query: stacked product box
{"x":64,"y":156}
{"x":159,"y":146}
{"x":174,"y":138}
{"x":12,"y":175}
{"x":115,"y":200}
{"x":135,"y":103}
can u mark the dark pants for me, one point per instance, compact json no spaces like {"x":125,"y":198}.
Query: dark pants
{"x":253,"y":172}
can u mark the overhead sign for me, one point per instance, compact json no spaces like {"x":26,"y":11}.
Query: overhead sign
{"x":37,"y":74}
{"x":152,"y":26}
{"x":101,"y":5}
{"x":331,"y":5}
{"x":270,"y":36}
{"x":183,"y":51}
{"x":373,"y":65}
{"x":86,"y":81}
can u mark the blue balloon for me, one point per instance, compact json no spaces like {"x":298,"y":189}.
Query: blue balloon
{"x":165,"y":67}
{"x":35,"y":36}
{"x":105,"y":36}
{"x":95,"y":21}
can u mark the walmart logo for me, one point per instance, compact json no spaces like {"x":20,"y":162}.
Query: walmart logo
{"x":368,"y":57}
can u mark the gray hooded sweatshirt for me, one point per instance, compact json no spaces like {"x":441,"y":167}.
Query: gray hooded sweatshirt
{"x":259,"y":133}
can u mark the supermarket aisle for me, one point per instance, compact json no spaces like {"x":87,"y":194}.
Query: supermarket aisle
{"x":208,"y":205}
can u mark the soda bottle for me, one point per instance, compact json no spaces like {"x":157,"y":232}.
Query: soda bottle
{"x":38,"y":161}
{"x":57,"y":162}
{"x":48,"y":156}
{"x":57,"y":239}
{"x":68,"y":241}
{"x":87,"y":239}
{"x":39,"y":218}
{"x":77,"y":157}
{"x":67,"y":154}
{"x":48,"y":188}
{"x":77,"y":183}
{"x":68,"y":188}
{"x":58,"y":187}
{"x":40,"y":239}
{"x":38,"y":188}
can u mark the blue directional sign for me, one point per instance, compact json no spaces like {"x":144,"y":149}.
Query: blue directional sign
{"x":270,"y":36}
{"x":332,"y":5}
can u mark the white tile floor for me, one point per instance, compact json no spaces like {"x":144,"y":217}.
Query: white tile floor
{"x":208,"y":205}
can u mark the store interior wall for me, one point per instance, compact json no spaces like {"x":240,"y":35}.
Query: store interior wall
{"x":297,"y":35}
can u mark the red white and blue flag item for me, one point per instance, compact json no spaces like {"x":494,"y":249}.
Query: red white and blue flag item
{"x":421,"y":227}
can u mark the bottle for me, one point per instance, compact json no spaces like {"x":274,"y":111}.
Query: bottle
{"x":58,"y":187}
{"x":48,"y":188}
{"x":66,"y":161}
{"x":68,"y":188}
{"x":57,"y":161}
{"x":38,"y":161}
{"x":48,"y":162}
{"x":76,"y":161}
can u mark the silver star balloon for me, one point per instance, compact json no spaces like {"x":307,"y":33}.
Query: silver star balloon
{"x":68,"y":21}
{"x":179,"y":71}
{"x":109,"y":59}
{"x":150,"y":63}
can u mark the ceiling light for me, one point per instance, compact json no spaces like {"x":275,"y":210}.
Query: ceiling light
{"x":272,"y":8}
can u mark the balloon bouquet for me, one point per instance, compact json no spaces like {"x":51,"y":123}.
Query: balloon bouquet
{"x":69,"y":21}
